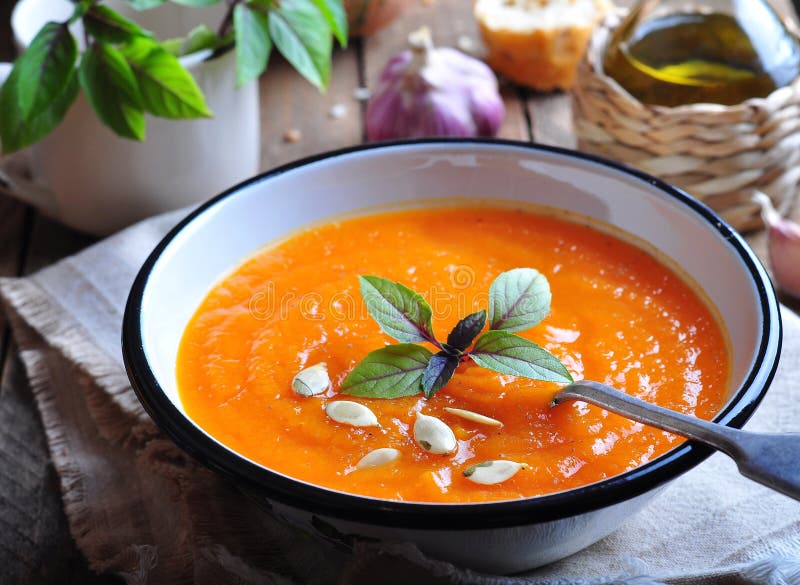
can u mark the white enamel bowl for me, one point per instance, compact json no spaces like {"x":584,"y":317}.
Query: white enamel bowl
{"x":511,"y":536}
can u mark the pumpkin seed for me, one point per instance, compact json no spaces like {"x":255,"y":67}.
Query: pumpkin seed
{"x":433,"y":435}
{"x":312,"y":381}
{"x":493,"y":472}
{"x":474,"y":417}
{"x":351,"y":413}
{"x":378,"y":457}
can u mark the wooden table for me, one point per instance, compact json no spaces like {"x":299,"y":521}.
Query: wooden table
{"x":35,"y":545}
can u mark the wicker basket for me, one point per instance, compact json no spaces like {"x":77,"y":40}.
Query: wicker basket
{"x":719,"y":154}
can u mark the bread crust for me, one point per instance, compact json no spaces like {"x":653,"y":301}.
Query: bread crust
{"x":542,"y":59}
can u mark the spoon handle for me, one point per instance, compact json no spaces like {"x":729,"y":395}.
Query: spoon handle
{"x":770,"y":459}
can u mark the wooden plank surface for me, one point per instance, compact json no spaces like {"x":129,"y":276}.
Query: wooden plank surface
{"x":14,"y":220}
{"x":291,"y":105}
{"x":6,"y":38}
{"x":35,"y":545}
{"x":551,"y":119}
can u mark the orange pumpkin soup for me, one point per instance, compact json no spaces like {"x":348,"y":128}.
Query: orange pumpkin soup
{"x":618,"y":315}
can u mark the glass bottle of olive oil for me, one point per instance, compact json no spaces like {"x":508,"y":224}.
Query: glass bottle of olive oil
{"x":672,"y":53}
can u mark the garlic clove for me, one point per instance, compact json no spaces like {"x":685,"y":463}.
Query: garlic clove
{"x":784,"y":253}
{"x":351,"y":413}
{"x":378,"y":457}
{"x":312,"y":381}
{"x":783,"y":246}
{"x":433,"y":435}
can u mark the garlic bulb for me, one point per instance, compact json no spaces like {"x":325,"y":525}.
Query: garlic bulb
{"x":428,"y":91}
{"x":783,"y":238}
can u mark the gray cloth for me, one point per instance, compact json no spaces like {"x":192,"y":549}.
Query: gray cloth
{"x":139,"y":507}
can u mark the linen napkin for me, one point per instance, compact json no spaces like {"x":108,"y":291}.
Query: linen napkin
{"x":140,"y":508}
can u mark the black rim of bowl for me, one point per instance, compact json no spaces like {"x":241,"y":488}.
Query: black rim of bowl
{"x":319,"y":500}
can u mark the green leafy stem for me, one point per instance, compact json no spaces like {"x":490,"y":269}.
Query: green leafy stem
{"x":126,"y":72}
{"x":518,"y":300}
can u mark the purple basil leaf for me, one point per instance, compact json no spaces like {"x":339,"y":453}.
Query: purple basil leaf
{"x":441,"y":368}
{"x":462,"y":336}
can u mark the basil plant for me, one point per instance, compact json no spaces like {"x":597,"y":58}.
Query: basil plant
{"x":126,"y":72}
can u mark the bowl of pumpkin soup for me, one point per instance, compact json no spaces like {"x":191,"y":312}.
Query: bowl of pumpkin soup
{"x":369,"y":342}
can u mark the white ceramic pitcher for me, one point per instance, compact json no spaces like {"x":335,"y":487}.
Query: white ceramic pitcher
{"x":90,"y":179}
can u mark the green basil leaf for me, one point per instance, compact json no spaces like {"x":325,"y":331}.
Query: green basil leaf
{"x":145,"y":4}
{"x":111,"y":88}
{"x":253,"y":45}
{"x":511,"y":354}
{"x":200,"y":38}
{"x":441,"y":368}
{"x":518,"y":300}
{"x":462,"y":336}
{"x":45,"y":68}
{"x":107,"y":25}
{"x":196,"y":2}
{"x":167,"y":89}
{"x":16,"y":133}
{"x":81,"y":8}
{"x":401,"y":313}
{"x":390,"y":372}
{"x":336,"y":17}
{"x":302,"y":35}
{"x":173,"y":46}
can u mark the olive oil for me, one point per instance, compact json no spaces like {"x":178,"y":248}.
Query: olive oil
{"x":698,"y":57}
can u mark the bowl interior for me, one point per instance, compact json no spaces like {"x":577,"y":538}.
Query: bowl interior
{"x":265,"y":209}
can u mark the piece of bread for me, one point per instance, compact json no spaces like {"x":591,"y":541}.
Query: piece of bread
{"x":538,"y":43}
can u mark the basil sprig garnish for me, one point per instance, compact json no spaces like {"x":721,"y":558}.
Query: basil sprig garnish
{"x":518,"y":300}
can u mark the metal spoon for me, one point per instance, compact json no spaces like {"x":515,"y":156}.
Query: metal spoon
{"x":770,"y":459}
